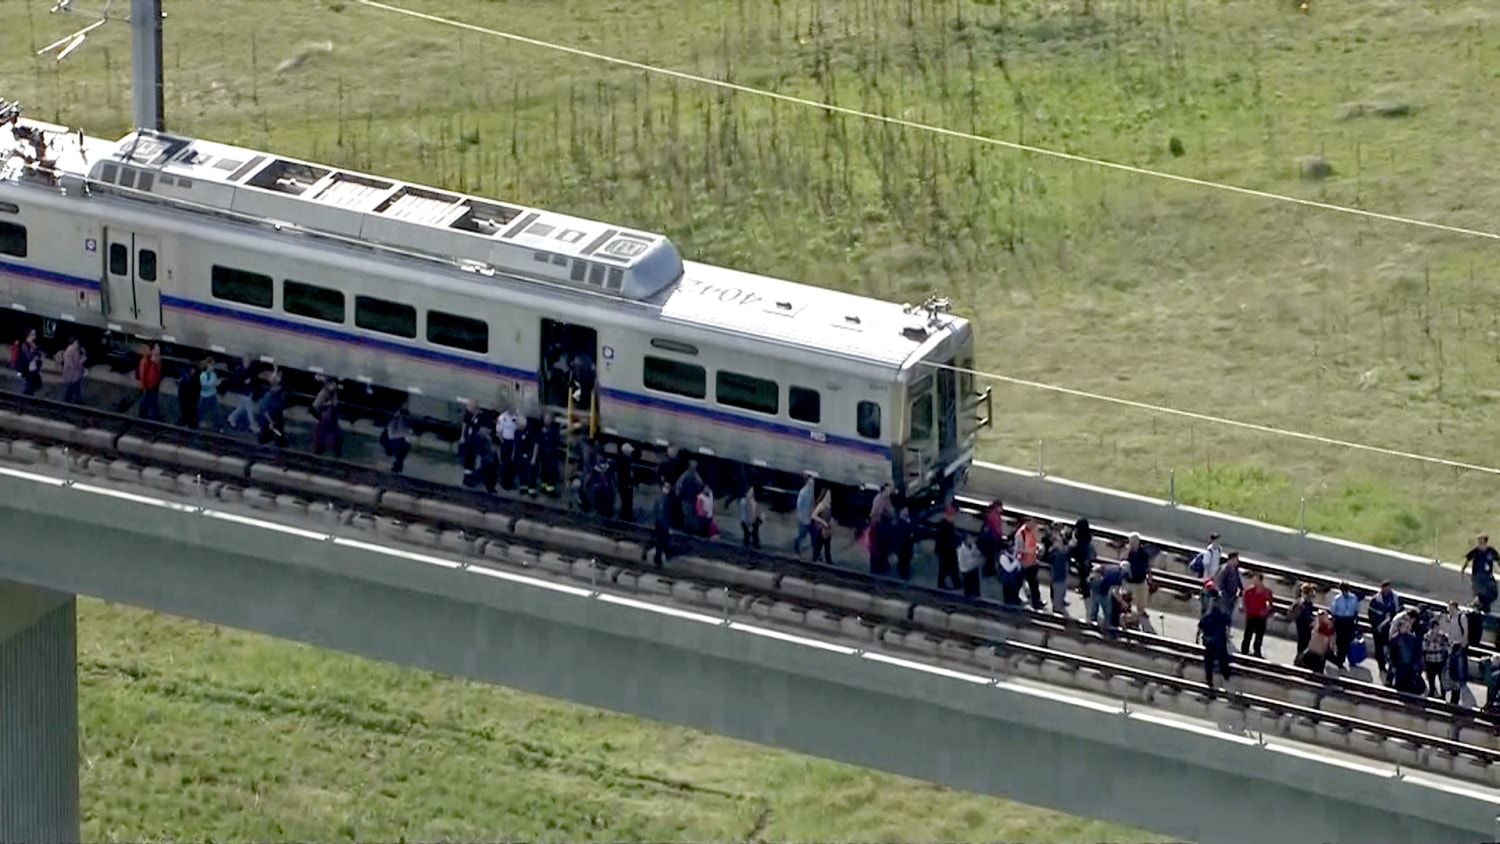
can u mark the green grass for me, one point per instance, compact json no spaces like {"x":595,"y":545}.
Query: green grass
{"x":196,"y":732}
{"x":1104,"y":281}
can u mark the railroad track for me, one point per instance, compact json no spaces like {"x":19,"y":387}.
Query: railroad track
{"x":975,"y":634}
{"x":1180,"y":586}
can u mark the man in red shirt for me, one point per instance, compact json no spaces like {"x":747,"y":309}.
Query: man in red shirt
{"x":1257,"y":611}
{"x":149,"y":374}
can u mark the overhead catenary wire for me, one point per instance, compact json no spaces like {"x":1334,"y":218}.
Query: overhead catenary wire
{"x":1220,"y":420}
{"x":1034,"y":150}
{"x":933,"y":129}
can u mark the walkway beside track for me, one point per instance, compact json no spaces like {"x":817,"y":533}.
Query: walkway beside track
{"x":967,"y":731}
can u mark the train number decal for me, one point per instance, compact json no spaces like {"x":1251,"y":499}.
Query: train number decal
{"x":727,"y":295}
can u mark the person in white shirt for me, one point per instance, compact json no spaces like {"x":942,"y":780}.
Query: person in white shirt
{"x":505,"y":429}
{"x":969,"y":560}
{"x":1456,"y":624}
{"x":1212,"y":557}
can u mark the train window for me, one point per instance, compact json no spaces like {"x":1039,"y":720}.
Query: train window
{"x":12,"y":240}
{"x":616,"y":279}
{"x":670,"y":376}
{"x":596,"y":275}
{"x":385,"y":317}
{"x":246,"y":288}
{"x":747,"y":391}
{"x":921,"y":417}
{"x":119,"y":259}
{"x":867,"y":420}
{"x":673,"y":346}
{"x":460,"y":332}
{"x":805,"y":405}
{"x":145,"y":265}
{"x":312,"y":301}
{"x":580,"y":270}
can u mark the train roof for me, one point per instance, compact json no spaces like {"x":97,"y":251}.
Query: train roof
{"x":505,"y":238}
{"x":816,"y":319}
{"x":499,"y":240}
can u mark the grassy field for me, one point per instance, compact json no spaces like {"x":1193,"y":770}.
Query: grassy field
{"x":192,"y":732}
{"x":1099,"y":280}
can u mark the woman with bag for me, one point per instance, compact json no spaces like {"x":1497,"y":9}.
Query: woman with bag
{"x":822,"y":528}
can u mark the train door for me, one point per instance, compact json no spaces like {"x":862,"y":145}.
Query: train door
{"x":131,"y":268}
{"x":919,"y":433}
{"x":569,"y":365}
{"x":947,"y":396}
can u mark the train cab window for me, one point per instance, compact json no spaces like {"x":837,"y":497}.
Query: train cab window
{"x":747,"y":392}
{"x":119,"y":259}
{"x":867,"y":420}
{"x":921,"y":417}
{"x":244,"y":287}
{"x":12,"y":240}
{"x":145,"y":265}
{"x":670,"y":376}
{"x":804,"y":405}
{"x":385,"y":317}
{"x":312,"y":301}
{"x":459,"y":332}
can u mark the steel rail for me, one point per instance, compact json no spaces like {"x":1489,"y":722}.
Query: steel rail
{"x":1182,"y":656}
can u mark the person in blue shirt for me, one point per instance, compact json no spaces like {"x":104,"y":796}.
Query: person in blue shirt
{"x":1103,"y":580}
{"x":1482,"y":559}
{"x":1057,"y":544}
{"x":1382,"y":610}
{"x":1213,"y":634}
{"x":804,"y":513}
{"x":1344,"y":607}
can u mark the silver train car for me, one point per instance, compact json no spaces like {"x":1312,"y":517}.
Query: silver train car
{"x":444,"y":298}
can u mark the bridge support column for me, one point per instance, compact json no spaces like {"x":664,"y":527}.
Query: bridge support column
{"x":38,"y":715}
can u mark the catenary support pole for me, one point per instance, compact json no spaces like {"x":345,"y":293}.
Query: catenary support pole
{"x":38,"y":715}
{"x":146,"y":64}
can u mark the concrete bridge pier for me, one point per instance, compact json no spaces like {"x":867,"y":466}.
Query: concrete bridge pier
{"x":38,"y":715}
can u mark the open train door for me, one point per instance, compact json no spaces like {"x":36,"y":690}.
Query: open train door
{"x":569,"y":367}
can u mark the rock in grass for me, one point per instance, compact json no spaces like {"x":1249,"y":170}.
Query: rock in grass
{"x":1314,"y":168}
{"x":1350,"y":111}
{"x":1175,"y":147}
{"x":300,"y":58}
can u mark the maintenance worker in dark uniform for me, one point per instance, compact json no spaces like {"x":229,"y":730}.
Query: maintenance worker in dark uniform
{"x":661,"y":523}
{"x":1213,"y":634}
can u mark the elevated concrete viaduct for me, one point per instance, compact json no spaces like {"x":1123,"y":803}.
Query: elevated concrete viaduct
{"x":477,"y":619}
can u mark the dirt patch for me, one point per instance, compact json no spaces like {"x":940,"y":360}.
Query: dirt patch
{"x":1355,"y":110}
{"x":1314,"y":168}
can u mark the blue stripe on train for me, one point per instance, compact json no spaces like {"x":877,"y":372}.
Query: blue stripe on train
{"x":48,"y":276}
{"x":335,"y":336}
